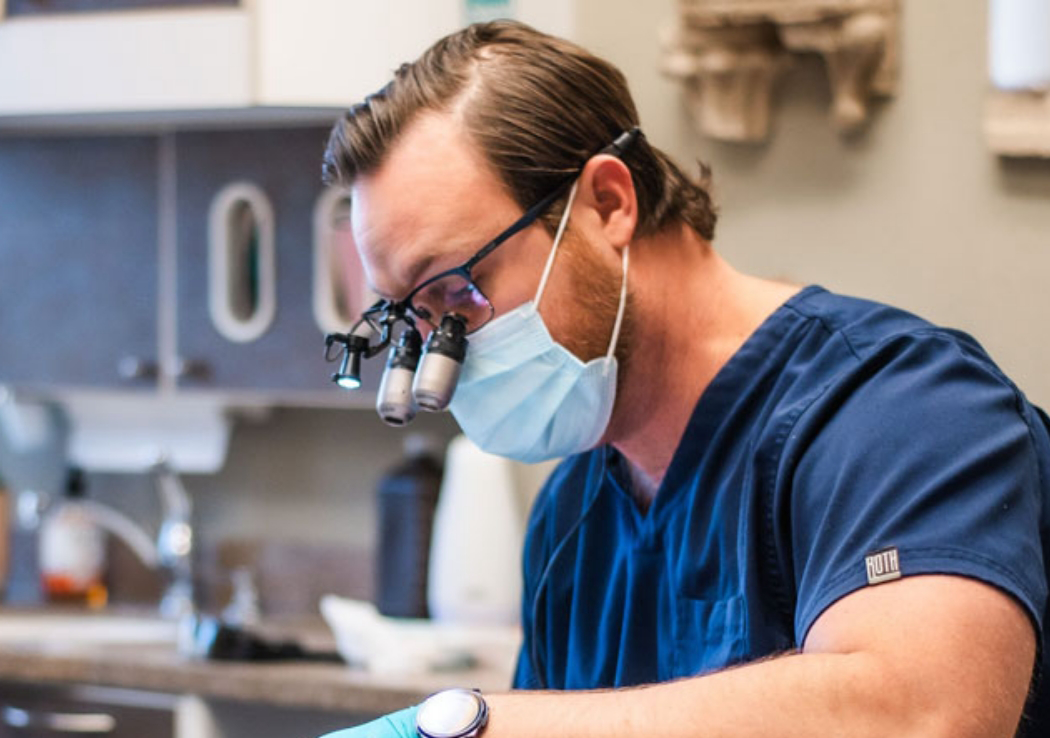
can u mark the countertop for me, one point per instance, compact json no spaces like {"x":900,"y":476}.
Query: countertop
{"x":300,"y":684}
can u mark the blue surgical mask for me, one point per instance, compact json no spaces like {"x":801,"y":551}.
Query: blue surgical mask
{"x":523,"y":395}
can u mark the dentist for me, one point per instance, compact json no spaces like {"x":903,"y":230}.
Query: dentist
{"x":782,"y":512}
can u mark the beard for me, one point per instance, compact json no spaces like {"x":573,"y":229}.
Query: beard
{"x":596,"y":300}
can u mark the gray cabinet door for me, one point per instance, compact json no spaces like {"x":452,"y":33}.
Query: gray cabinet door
{"x":286,"y":165}
{"x":78,"y":260}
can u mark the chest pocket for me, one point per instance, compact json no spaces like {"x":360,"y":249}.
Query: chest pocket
{"x":709,"y":635}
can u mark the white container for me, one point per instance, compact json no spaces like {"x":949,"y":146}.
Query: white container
{"x":1019,"y":44}
{"x":475,"y":569}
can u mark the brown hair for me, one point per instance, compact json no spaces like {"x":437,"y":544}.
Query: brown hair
{"x":537,"y":106}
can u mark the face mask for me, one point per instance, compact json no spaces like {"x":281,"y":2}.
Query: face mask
{"x":526,"y":397}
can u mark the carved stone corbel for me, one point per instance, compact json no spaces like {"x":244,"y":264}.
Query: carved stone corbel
{"x":728,"y":75}
{"x":1018,"y":123}
{"x":728,"y":54}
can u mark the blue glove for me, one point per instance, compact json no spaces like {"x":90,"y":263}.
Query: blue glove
{"x":400,"y":724}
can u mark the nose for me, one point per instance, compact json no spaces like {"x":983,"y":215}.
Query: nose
{"x":424,"y":328}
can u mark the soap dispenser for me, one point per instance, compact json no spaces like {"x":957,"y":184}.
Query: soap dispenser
{"x":72,"y":556}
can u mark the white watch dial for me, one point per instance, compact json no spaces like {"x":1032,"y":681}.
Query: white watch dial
{"x":450,"y":713}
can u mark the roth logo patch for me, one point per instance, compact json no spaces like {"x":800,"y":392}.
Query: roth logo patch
{"x":883,"y":566}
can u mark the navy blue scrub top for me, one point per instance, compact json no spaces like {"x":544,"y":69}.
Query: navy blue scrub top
{"x":844,"y":443}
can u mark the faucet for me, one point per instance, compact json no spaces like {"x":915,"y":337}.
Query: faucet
{"x":171,"y":550}
{"x":175,"y":541}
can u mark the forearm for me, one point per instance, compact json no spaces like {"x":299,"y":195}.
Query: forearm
{"x":792,"y":696}
{"x":922,"y":657}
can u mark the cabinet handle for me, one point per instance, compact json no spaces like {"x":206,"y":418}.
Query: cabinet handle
{"x":341,"y":292}
{"x":132,"y":368}
{"x":242,"y":262}
{"x":197,"y":369}
{"x":59,"y":722}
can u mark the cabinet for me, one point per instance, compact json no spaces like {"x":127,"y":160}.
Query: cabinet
{"x":134,"y":60}
{"x":285,"y":165}
{"x":54,"y":710}
{"x":268,"y":59}
{"x":105,"y":269}
{"x":78,"y":261}
{"x":46,"y":709}
{"x":260,"y":54}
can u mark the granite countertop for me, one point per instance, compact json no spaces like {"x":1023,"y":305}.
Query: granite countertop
{"x":302,"y":684}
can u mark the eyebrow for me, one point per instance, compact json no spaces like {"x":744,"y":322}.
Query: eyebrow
{"x":422,"y":266}
{"x":413,"y":279}
{"x":420,"y":271}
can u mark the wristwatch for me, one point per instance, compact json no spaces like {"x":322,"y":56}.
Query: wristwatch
{"x":452,"y":713}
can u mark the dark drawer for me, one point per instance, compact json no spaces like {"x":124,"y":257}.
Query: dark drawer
{"x":49,"y":710}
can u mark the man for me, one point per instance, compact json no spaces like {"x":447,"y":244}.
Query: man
{"x":841,"y":501}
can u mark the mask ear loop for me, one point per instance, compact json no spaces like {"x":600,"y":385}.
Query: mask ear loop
{"x":618,"y":324}
{"x":554,"y":249}
{"x":619,"y":314}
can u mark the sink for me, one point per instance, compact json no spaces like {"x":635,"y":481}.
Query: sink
{"x":84,"y":629}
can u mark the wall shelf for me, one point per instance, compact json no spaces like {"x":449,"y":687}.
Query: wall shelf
{"x":1018,"y":123}
{"x":729,"y":53}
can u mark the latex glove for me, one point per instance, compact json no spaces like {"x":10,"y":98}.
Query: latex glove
{"x":400,"y":724}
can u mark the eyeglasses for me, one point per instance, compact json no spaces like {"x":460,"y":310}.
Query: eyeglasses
{"x":454,"y":292}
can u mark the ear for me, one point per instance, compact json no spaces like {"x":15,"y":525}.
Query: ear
{"x":606,"y":191}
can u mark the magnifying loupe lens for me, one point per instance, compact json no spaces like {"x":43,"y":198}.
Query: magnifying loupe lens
{"x":436,"y":381}
{"x":395,"y":402}
{"x":442,"y":361}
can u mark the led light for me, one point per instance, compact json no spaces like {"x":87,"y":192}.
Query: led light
{"x":349,"y":374}
{"x":347,"y":382}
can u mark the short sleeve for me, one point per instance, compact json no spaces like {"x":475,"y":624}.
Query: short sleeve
{"x":920,"y":460}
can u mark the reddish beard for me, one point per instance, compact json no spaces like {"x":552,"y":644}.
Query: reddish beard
{"x":595,"y":301}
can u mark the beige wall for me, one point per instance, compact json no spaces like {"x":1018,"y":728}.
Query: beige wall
{"x":915,"y":212}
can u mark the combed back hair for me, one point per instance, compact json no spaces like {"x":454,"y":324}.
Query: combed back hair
{"x":536,"y":106}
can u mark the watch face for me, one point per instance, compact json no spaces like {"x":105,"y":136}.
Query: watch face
{"x":452,"y":713}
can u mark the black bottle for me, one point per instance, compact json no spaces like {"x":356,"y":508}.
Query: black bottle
{"x":407,"y":497}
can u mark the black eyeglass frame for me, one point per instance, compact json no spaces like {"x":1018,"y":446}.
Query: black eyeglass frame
{"x":616,"y":148}
{"x":384,"y":314}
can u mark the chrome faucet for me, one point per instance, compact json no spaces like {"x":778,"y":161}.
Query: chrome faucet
{"x":175,"y":541}
{"x":172,"y":549}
